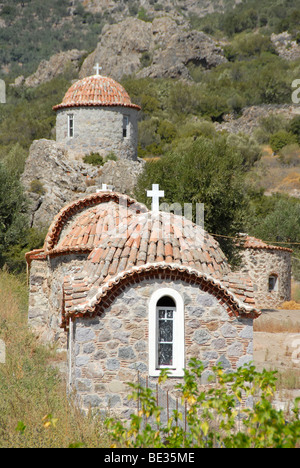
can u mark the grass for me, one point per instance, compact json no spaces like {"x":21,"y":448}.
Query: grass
{"x":35,"y":411}
{"x":275,"y":174}
{"x":268,"y":325}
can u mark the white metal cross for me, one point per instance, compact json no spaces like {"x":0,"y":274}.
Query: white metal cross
{"x":155,"y":194}
{"x":97,"y":68}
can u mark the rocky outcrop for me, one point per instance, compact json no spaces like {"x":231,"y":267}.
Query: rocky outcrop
{"x":251,"y":116}
{"x":49,"y":69}
{"x":285,"y":46}
{"x":52,"y":179}
{"x":162,"y":48}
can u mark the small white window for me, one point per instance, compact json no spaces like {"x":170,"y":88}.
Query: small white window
{"x":166,"y":333}
{"x":273,"y":283}
{"x":125,"y":126}
{"x":70,"y":125}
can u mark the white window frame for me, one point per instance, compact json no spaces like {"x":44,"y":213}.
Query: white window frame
{"x":71,"y":118}
{"x":126,"y":126}
{"x":276,"y":283}
{"x":177,"y":369}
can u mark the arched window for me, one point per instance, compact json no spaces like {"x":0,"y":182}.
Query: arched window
{"x":166,"y":333}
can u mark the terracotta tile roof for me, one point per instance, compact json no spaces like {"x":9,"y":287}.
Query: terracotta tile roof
{"x":157,"y":237}
{"x":96,"y":90}
{"x":249,"y":242}
{"x":90,"y":217}
{"x":122,"y":240}
{"x":80,"y":300}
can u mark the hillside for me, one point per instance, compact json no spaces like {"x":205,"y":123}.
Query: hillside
{"x":217,"y":126}
{"x":54,"y":26}
{"x":193,"y":75}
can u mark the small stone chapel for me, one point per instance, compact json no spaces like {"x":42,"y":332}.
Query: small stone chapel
{"x":126,"y":290}
{"x":97,"y":115}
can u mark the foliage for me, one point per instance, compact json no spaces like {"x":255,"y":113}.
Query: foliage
{"x":281,"y":139}
{"x":35,"y":411}
{"x":13,"y":222}
{"x":273,"y":16}
{"x":36,"y":186}
{"x":216,"y":417}
{"x":248,"y":45}
{"x":95,"y":159}
{"x":276,"y":218}
{"x":47,"y":34}
{"x":294,"y":127}
{"x":28,"y":114}
{"x":257,"y":79}
{"x":208,"y":171}
{"x":143,"y":15}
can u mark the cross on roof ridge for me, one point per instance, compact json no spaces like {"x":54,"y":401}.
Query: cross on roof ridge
{"x":97,"y":68}
{"x":155,"y":194}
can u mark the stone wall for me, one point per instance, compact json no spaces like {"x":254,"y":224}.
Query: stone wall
{"x":108,"y":351}
{"x":46,"y":297}
{"x":38,"y":310}
{"x":100,"y":130}
{"x":260,"y":264}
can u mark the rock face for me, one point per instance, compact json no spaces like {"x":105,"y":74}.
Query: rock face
{"x":49,"y":69}
{"x":251,"y":116}
{"x":165,"y":47}
{"x":52,"y":179}
{"x":285,"y":46}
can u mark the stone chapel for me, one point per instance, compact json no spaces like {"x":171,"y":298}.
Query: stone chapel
{"x":97,"y":115}
{"x":127,"y":290}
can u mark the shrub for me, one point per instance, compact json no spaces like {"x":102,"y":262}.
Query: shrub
{"x":13,"y":221}
{"x":294,"y":127}
{"x":212,"y":415}
{"x":146,"y":59}
{"x":36,"y":186}
{"x":95,"y":159}
{"x":290,"y":155}
{"x":111,"y":156}
{"x":281,"y":139}
{"x":248,"y":45}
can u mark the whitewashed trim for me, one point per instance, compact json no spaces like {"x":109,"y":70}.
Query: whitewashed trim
{"x":179,"y":345}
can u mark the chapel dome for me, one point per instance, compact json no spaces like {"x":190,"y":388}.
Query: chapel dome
{"x":96,"y":90}
{"x":153,"y":238}
{"x":119,"y":236}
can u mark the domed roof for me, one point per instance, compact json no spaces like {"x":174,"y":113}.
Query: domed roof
{"x":96,"y":90}
{"x":125,"y":232}
{"x":150,"y":238}
{"x":124,"y":242}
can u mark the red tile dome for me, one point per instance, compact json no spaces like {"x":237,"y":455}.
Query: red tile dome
{"x":96,"y":90}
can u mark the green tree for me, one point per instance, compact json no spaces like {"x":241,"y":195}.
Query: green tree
{"x":13,"y":221}
{"x":208,"y":171}
{"x":277,"y":218}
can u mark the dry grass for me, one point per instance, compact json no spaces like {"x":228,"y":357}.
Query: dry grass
{"x":296,"y":293}
{"x":290,"y":305}
{"x":269,"y":325}
{"x":33,"y":394}
{"x":272,"y":174}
